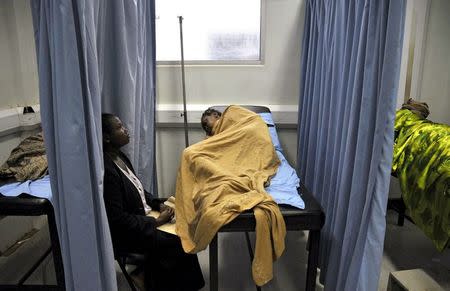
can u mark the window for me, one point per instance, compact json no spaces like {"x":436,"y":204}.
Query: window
{"x":213,"y":30}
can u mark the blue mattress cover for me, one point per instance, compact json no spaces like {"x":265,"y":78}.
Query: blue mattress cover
{"x":283,"y":186}
{"x":39,"y":188}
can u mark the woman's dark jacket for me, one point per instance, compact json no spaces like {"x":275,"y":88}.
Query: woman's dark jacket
{"x":129,"y":226}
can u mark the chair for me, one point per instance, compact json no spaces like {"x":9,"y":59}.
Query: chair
{"x":127,"y":258}
{"x":123,"y":259}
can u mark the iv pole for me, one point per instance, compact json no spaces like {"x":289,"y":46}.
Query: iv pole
{"x":186,"y":138}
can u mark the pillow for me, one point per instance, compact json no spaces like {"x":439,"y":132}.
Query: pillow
{"x":267,"y":117}
{"x":283,"y":186}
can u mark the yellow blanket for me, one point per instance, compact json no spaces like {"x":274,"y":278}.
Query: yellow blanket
{"x":223,"y":176}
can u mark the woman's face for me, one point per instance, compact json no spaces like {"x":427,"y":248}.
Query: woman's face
{"x":118,"y":136}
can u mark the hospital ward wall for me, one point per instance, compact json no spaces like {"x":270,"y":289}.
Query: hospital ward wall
{"x":435,"y":87}
{"x":18,"y":68}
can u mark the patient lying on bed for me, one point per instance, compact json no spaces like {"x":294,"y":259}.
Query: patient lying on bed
{"x":224,"y":175}
{"x":421,"y":160}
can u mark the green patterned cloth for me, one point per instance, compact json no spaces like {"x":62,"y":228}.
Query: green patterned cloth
{"x":422,"y":163}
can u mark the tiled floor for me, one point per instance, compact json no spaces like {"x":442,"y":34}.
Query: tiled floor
{"x":405,"y":248}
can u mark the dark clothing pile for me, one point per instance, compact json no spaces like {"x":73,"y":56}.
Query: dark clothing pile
{"x":27,"y":161}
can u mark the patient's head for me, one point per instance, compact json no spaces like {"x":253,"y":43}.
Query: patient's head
{"x":419,"y":108}
{"x":209,"y":118}
{"x":115,"y":135}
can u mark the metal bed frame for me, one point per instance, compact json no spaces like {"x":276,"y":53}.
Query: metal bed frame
{"x":26,"y":205}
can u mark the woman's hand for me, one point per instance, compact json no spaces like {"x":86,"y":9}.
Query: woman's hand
{"x":165,"y":215}
{"x":163,"y":207}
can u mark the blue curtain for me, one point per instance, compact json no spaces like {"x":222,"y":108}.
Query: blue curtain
{"x":127,"y":73}
{"x":89,"y":53}
{"x":350,"y":70}
{"x":71,"y":110}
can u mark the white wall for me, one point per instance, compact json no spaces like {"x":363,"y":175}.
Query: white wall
{"x":275,"y":82}
{"x":18,"y":69}
{"x":435,"y":87}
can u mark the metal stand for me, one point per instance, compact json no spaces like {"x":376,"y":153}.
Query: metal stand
{"x":186,"y":138}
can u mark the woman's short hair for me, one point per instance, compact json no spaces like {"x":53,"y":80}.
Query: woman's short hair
{"x":106,"y":122}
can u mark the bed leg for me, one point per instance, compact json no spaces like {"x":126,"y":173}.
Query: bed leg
{"x":313,"y":259}
{"x":213,"y":265}
{"x":401,"y":219}
{"x":401,"y":212}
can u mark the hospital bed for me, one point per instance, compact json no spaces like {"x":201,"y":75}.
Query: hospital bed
{"x":310,"y":218}
{"x":26,"y":205}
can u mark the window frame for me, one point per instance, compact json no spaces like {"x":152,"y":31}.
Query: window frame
{"x":200,"y":63}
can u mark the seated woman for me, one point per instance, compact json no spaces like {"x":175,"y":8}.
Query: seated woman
{"x":167,"y":266}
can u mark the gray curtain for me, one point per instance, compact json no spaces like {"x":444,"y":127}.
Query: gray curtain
{"x":71,"y":109}
{"x":93,"y":57}
{"x":127,"y":74}
{"x":350,"y":71}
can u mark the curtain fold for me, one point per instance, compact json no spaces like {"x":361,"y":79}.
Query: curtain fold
{"x":350,"y":70}
{"x":89,"y":53}
{"x":71,"y":110}
{"x":127,"y":70}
